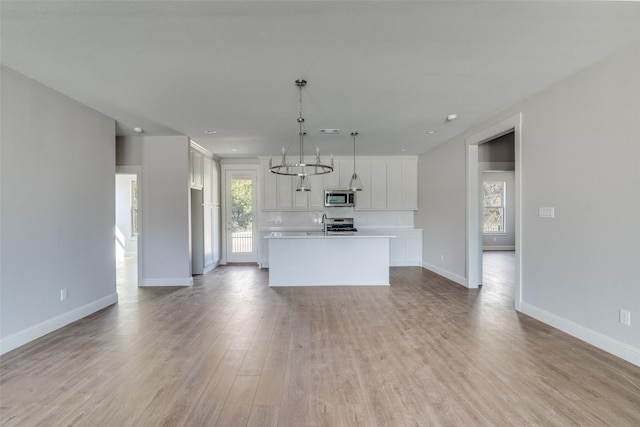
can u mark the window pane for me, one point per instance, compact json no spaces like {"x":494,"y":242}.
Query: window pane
{"x":241,"y":215}
{"x":494,"y":206}
{"x":493,"y":220}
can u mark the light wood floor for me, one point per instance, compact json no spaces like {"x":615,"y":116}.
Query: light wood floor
{"x":230,"y":351}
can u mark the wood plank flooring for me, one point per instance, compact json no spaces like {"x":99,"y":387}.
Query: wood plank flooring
{"x":230,"y":351}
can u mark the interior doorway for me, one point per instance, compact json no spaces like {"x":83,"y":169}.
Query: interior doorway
{"x":128,"y":228}
{"x":241,"y":243}
{"x":475,"y":203}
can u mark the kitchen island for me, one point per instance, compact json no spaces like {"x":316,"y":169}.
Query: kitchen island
{"x":328,"y":259}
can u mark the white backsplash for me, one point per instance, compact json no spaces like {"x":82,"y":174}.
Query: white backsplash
{"x":362,"y":219}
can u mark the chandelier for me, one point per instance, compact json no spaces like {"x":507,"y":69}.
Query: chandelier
{"x":300,"y":168}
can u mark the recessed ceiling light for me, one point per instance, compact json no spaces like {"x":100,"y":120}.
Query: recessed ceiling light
{"x":233,"y":150}
{"x":431,"y":132}
{"x":210,"y":132}
{"x":451,"y":117}
{"x":330,"y":131}
{"x":137,"y":130}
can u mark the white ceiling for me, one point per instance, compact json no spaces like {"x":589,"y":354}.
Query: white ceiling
{"x":389,"y":69}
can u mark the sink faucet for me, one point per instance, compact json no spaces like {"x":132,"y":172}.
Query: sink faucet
{"x":324,"y":222}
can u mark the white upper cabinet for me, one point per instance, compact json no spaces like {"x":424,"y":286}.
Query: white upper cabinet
{"x":394,"y":184}
{"x":410,"y":185}
{"x":379,"y":182}
{"x":331,"y":181}
{"x":207,"y":193}
{"x":363,"y":197}
{"x":388,"y":184}
{"x":196,"y":168}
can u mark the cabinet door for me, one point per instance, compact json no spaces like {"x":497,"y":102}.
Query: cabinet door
{"x":285,"y":192}
{"x":208,"y":235}
{"x":378,"y":184}
{"x":332,"y":180}
{"x":269,"y":186}
{"x":316,"y":196}
{"x":363,"y":198}
{"x":394,"y":184}
{"x":410,"y":184}
{"x":207,"y":195}
{"x":196,"y":169}
{"x":346,"y":170}
{"x":215,"y":183}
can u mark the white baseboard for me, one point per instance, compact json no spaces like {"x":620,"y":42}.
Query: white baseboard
{"x":499,"y":248}
{"x":172,"y":281}
{"x":618,"y":348}
{"x":43,"y":328}
{"x":405,"y":263}
{"x":209,"y":268}
{"x":444,"y":273}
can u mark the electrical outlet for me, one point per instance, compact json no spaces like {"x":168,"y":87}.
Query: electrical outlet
{"x":625,"y":317}
{"x":547,"y":212}
{"x":63,"y":294}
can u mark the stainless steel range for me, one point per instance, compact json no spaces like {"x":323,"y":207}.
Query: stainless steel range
{"x":340,"y":225}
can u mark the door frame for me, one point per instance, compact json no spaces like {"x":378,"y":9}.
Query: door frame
{"x":137,"y":171}
{"x":474,"y":217}
{"x":249,"y":169}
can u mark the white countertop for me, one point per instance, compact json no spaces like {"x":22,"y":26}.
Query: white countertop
{"x":330,"y":235}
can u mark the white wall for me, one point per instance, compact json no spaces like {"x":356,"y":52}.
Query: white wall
{"x":57,"y":210}
{"x":442,"y":210}
{"x":580,"y":154}
{"x":164,"y":242}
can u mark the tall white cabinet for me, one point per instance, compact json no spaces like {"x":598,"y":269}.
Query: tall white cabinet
{"x":205,"y":210}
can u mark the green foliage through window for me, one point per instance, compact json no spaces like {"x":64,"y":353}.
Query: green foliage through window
{"x":241,"y":204}
{"x":494,"y":206}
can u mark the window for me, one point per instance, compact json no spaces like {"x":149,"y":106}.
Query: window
{"x":494,"y":206}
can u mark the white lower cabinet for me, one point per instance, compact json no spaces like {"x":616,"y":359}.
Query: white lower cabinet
{"x":406,"y":248}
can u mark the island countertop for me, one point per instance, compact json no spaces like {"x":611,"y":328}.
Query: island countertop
{"x":368,"y":234}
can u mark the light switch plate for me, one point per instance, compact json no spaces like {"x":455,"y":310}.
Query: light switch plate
{"x":546,"y":212}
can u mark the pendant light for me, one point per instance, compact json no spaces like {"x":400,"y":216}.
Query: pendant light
{"x":355,"y":184}
{"x":301,"y":169}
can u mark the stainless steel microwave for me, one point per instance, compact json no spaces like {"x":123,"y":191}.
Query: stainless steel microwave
{"x":339,"y":198}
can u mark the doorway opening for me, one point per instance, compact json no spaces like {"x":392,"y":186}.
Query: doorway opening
{"x":128,"y":229}
{"x":241,"y":245}
{"x":477,"y":207}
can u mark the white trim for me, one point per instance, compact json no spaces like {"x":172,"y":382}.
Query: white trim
{"x":618,"y":348}
{"x":405,"y":263}
{"x":200,"y":148}
{"x":41,"y":329}
{"x":225,"y":200}
{"x":499,"y":248}
{"x":474,"y":242}
{"x":446,"y":274}
{"x":171,"y":281}
{"x":210,"y":268}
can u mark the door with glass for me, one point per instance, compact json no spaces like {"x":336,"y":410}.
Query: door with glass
{"x":241,"y":235}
